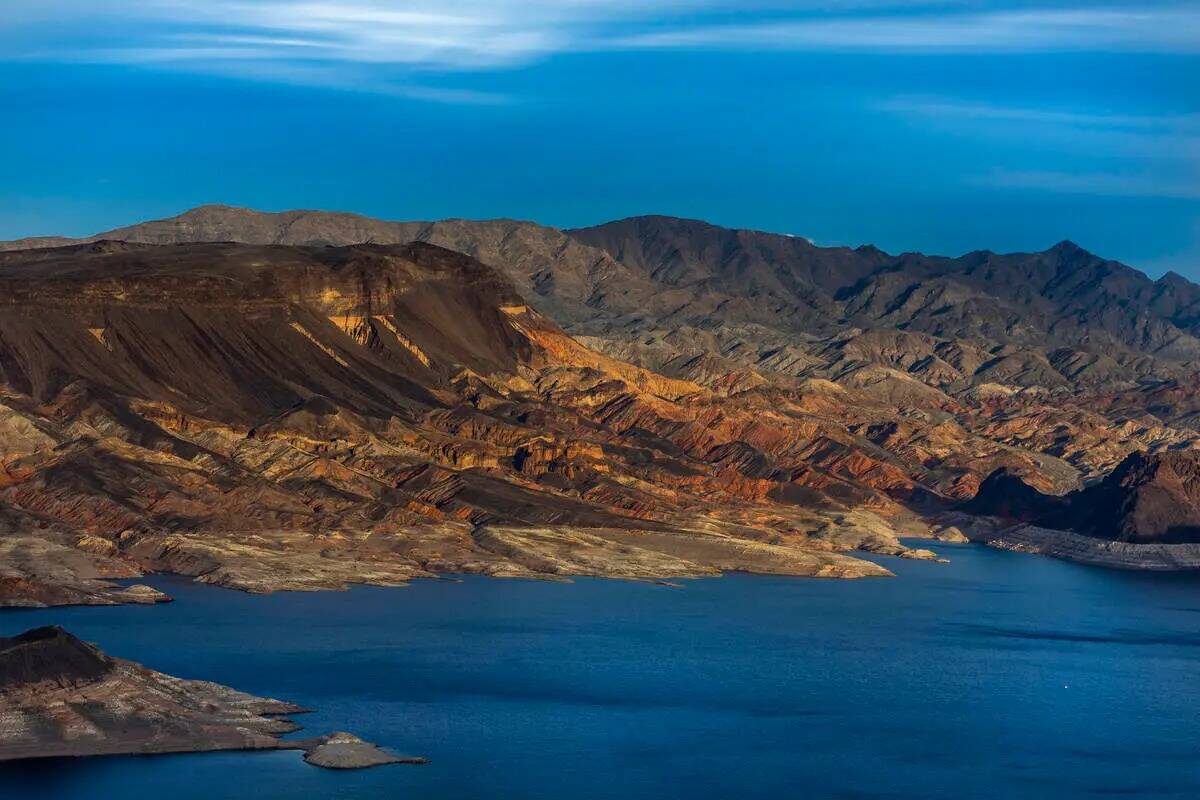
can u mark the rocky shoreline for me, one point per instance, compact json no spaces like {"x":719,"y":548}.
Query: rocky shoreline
{"x":1026,"y":538}
{"x":347,"y":751}
{"x":63,"y":697}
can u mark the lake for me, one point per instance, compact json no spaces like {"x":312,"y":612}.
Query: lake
{"x":997,"y":675}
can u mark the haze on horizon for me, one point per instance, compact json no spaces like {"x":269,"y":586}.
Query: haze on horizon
{"x":934,"y":126}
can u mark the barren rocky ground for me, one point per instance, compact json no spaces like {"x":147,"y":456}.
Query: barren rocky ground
{"x":60,"y":696}
{"x":289,"y":401}
{"x":304,"y":401}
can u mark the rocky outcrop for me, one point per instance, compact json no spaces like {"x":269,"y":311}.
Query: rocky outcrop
{"x":60,"y":696}
{"x":347,"y":751}
{"x":44,"y":564}
{"x":1146,"y":499}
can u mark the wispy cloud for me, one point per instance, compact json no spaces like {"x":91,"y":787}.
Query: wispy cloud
{"x":1096,"y":184}
{"x":1137,"y":28}
{"x":451,"y":34}
{"x":376,"y":45}
{"x":313,"y":40}
{"x":1155,"y":137}
{"x":949,"y":108}
{"x":1111,"y":154}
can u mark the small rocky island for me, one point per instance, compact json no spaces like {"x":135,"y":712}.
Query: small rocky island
{"x":61,"y":696}
{"x":347,"y":751}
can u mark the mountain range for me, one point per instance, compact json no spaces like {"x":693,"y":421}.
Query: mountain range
{"x":1055,"y":318}
{"x":306,"y":399}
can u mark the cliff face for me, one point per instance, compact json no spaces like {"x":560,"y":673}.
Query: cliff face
{"x":1155,"y":499}
{"x":1146,"y":499}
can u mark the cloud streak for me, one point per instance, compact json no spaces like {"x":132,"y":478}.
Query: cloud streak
{"x":1158,"y":154}
{"x":1152,"y":137}
{"x":1146,"y":28}
{"x":450,"y":34}
{"x":948,"y":108}
{"x":496,"y":34}
{"x":1095,"y":184}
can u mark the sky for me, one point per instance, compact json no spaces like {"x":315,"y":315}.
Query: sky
{"x":942,"y":126}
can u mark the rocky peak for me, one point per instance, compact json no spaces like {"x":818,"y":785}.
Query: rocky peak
{"x":1067,"y":247}
{"x":1173,"y":278}
{"x":1004,"y":494}
{"x":49,"y":655}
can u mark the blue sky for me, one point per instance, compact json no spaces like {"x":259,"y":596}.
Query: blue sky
{"x":935,"y":126}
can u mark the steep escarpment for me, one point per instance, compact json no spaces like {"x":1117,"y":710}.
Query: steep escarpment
{"x":1146,"y":499}
{"x":241,"y":332}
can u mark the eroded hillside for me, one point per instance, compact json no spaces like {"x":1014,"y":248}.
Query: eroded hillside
{"x":272,"y":417}
{"x":301,"y":411}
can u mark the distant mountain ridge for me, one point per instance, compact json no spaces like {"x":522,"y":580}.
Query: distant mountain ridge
{"x":1062,"y":296}
{"x":661,"y":291}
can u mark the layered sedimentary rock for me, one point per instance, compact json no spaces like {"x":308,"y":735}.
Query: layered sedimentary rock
{"x":1061,"y":351}
{"x":1100,"y":552}
{"x":269,"y":417}
{"x":60,"y":696}
{"x":303,"y":411}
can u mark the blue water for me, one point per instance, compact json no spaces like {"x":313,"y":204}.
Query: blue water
{"x":998,"y":675}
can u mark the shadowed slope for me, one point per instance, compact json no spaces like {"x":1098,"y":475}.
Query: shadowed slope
{"x":712,"y":371}
{"x":61,"y":696}
{"x":1146,"y":499}
{"x":268,"y":416}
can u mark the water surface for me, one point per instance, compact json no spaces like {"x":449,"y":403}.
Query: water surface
{"x":999,"y":675}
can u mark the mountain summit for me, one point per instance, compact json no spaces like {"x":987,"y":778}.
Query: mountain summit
{"x":685,"y":287}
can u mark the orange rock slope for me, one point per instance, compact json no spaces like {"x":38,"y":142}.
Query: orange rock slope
{"x":302,"y":417}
